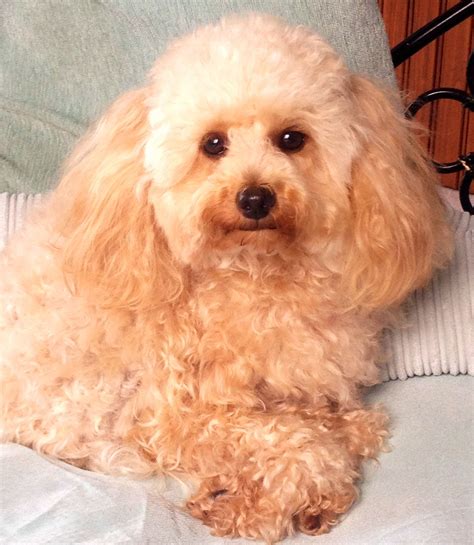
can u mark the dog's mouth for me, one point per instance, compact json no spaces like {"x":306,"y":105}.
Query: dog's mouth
{"x":264,"y":224}
{"x":256,"y":229}
{"x":257,"y":226}
{"x":264,"y":231}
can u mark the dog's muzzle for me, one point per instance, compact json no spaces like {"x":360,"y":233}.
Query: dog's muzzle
{"x":255,"y":202}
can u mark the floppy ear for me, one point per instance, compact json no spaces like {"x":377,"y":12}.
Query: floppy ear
{"x":397,"y":234}
{"x":113,"y":250}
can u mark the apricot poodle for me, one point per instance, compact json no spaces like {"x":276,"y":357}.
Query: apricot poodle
{"x":204,"y":292}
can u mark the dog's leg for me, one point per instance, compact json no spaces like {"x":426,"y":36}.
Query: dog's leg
{"x":268,"y":475}
{"x":364,"y":433}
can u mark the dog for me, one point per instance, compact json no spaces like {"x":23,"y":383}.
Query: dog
{"x":204,"y":292}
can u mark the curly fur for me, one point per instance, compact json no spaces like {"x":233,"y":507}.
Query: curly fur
{"x":144,"y":329}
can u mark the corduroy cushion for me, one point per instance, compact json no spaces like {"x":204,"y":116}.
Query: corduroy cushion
{"x":438,"y":335}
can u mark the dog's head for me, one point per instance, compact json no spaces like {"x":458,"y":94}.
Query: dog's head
{"x":249,"y":149}
{"x":254,"y":139}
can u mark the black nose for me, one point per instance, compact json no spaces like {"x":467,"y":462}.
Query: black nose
{"x":255,"y":202}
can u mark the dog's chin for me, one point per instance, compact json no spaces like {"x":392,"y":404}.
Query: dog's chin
{"x":258,"y":237}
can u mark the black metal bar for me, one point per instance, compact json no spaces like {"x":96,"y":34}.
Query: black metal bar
{"x":409,"y":47}
{"x":442,"y":92}
{"x":431,"y":31}
{"x":468,"y":164}
{"x":448,"y":168}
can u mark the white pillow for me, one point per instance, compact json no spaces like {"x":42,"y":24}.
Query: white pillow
{"x":438,"y":338}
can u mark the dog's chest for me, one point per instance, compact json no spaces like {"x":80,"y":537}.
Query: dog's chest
{"x":257,"y":317}
{"x":277,"y":338}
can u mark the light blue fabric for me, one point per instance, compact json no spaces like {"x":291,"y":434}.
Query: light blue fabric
{"x":63,"y":61}
{"x":420,"y":493}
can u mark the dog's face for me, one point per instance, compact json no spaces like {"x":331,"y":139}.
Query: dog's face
{"x":252,"y":140}
{"x":245,"y":127}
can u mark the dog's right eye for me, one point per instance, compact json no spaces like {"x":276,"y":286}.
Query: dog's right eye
{"x":214,"y":144}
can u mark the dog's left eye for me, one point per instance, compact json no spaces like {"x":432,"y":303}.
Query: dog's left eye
{"x":291,"y":140}
{"x":214,"y":144}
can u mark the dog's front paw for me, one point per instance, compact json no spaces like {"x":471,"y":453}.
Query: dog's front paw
{"x":313,"y":521}
{"x":237,"y":508}
{"x":244,"y":508}
{"x":323,"y":512}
